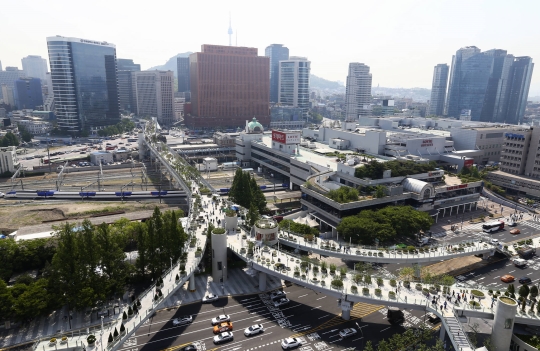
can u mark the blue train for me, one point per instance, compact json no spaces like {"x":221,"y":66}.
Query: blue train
{"x":91,"y":195}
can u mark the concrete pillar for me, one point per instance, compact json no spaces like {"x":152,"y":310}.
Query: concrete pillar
{"x":442,"y":333}
{"x":503,"y":323}
{"x":262,"y":281}
{"x":345,"y":313}
{"x":192,"y":283}
{"x":219,"y":257}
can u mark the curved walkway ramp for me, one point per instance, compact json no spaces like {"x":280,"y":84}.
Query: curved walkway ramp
{"x":379,"y":290}
{"x":388,"y":256}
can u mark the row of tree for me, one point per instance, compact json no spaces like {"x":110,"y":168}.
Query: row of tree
{"x":385,"y":224}
{"x":375,"y":169}
{"x":9,"y":139}
{"x":125,"y":125}
{"x":89,"y":263}
{"x":298,"y":228}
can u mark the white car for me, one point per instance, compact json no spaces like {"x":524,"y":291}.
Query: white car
{"x":277,"y":295}
{"x":182,"y":320}
{"x":281,"y":302}
{"x":494,"y":241}
{"x":289,"y":343}
{"x":223,"y":337}
{"x":221,"y":318}
{"x":210,"y":298}
{"x":345,"y":333}
{"x":253,"y":330}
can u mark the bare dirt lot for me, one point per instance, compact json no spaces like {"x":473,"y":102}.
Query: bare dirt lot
{"x":15,"y":216}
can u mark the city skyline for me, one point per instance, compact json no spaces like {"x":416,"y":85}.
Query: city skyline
{"x":404,"y":46}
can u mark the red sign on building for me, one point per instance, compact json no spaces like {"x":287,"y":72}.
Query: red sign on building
{"x":468,"y":163}
{"x":286,"y":138}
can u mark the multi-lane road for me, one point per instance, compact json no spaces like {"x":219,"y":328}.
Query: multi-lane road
{"x":311,"y":317}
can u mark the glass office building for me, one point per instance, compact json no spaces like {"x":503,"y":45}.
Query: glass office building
{"x":28,"y":93}
{"x":84,"y":79}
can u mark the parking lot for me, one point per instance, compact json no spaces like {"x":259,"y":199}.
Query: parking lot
{"x":311,"y":318}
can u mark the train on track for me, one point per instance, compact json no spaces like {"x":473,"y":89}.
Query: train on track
{"x":92,"y":195}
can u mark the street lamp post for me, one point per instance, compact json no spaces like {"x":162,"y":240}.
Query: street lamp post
{"x":223,"y":279}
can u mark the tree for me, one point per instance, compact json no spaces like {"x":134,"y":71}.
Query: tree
{"x":25,"y":134}
{"x":533,"y":292}
{"x":406,"y":273}
{"x":10,"y":140}
{"x":343,"y":195}
{"x":6,"y":300}
{"x":524,"y":292}
{"x":33,"y":302}
{"x":253,"y":214}
{"x":379,"y":191}
{"x":511,"y":289}
{"x":67,"y":274}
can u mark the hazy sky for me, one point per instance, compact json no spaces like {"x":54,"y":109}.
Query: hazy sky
{"x":400,"y":40}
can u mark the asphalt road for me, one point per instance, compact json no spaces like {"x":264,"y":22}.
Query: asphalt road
{"x":313,"y":318}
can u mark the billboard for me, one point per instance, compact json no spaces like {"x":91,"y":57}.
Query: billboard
{"x":468,"y":162}
{"x":286,"y":138}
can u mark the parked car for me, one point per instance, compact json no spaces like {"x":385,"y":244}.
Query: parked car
{"x":525,"y":280}
{"x":507,"y":278}
{"x":182,"y":320}
{"x":281,"y":302}
{"x":253,"y":330}
{"x":221,"y":318}
{"x":345,"y":333}
{"x":223,"y":327}
{"x":277,"y":295}
{"x":290,"y":343}
{"x":189,"y":348}
{"x":223,"y":337}
{"x":208,"y":298}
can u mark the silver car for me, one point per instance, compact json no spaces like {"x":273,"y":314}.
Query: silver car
{"x":223,"y":337}
{"x":345,"y":333}
{"x":221,"y":318}
{"x":254,"y":330}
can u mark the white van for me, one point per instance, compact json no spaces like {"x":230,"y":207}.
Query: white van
{"x":519,"y":262}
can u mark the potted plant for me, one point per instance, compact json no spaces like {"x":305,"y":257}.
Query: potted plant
{"x":130,"y":311}
{"x":378,"y":292}
{"x":91,"y":340}
{"x":332,"y":268}
{"x":110,"y":339}
{"x":391,"y":294}
{"x":135,"y":309}
{"x":337,"y":284}
{"x":122,"y":329}
{"x":407,"y":284}
{"x":177,"y":278}
{"x":296,"y":271}
{"x":418,"y":286}
{"x":138,"y":303}
{"x":365,"y":291}
{"x":380,"y":281}
{"x":393,"y":283}
{"x":354,"y":289}
{"x":64,"y":339}
{"x":323,"y":267}
{"x":343,"y":272}
{"x":124,"y":315}
{"x":52,"y":342}
{"x":115,"y":334}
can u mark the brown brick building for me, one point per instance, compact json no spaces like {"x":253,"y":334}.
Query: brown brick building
{"x":229,"y":85}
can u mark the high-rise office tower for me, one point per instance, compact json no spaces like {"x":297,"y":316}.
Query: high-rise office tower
{"x":229,"y":85}
{"x":520,"y":81}
{"x":154,"y":95}
{"x":497,"y":91}
{"x":28,"y":94}
{"x":358,"y":91}
{"x":8,"y":77}
{"x":8,"y":95}
{"x":438,"y":89}
{"x":84,"y":81}
{"x":35,"y":66}
{"x":276,"y":53}
{"x":492,"y":84}
{"x":182,"y":66}
{"x":125,"y":83}
{"x":294,"y":83}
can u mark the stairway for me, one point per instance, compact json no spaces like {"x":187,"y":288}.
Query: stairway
{"x":456,"y":334}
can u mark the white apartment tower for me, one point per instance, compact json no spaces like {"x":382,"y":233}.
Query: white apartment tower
{"x":293,"y":87}
{"x":153,"y":92}
{"x":35,"y":66}
{"x":358,"y":93}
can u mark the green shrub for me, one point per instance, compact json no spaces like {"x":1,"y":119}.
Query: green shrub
{"x":393,"y":283}
{"x":365,"y":290}
{"x":354,"y":289}
{"x":378,"y":292}
{"x":336,"y":283}
{"x":218,"y":230}
{"x":478,"y":293}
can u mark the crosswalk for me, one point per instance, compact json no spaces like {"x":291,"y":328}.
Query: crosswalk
{"x":531,"y":224}
{"x":358,"y":311}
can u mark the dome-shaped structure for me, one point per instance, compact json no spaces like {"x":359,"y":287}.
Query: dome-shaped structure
{"x":425,"y":190}
{"x":254,"y":126}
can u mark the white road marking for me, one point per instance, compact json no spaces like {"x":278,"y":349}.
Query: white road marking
{"x":320,"y":298}
{"x":323,"y":316}
{"x":314,"y":308}
{"x":302,"y":295}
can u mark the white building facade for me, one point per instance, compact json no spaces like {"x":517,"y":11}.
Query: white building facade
{"x":153,"y":92}
{"x":358,"y":91}
{"x":35,"y":66}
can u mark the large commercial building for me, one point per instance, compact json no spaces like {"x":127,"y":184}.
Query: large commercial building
{"x":276,"y":53}
{"x":8,"y":78}
{"x":294,"y":83}
{"x":8,"y":95}
{"x":85,"y":83}
{"x":35,"y":66}
{"x":154,"y":95}
{"x":184,"y":79}
{"x":493,"y":85}
{"x":125,"y":83}
{"x":228,"y":85}
{"x":438,"y":90}
{"x":358,"y":91}
{"x":28,"y":94}
{"x":286,"y":117}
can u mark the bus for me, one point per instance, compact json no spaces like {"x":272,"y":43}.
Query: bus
{"x":493,"y":226}
{"x":52,"y":160}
